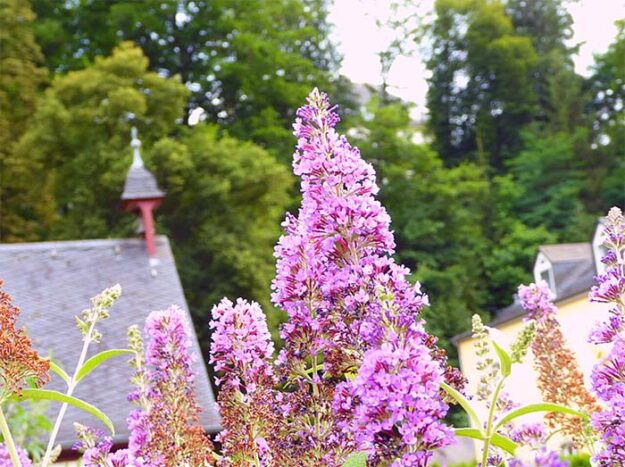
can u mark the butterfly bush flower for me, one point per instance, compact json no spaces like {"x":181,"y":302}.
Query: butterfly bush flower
{"x":555,"y":362}
{"x":342,"y":291}
{"x":533,"y":436}
{"x":399,"y":407}
{"x":94,"y":446}
{"x":18,"y":360}
{"x":608,"y":376}
{"x":5,"y":457}
{"x":165,"y":429}
{"x":241,"y":351}
{"x":542,"y":458}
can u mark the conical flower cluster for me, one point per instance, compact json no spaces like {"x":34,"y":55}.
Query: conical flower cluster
{"x":608,"y":376}
{"x":555,"y":361}
{"x":18,"y":360}
{"x":353,"y":331}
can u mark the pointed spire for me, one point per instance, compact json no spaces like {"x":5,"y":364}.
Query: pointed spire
{"x":142,"y":195}
{"x":140,"y":183}
{"x":137,"y":162}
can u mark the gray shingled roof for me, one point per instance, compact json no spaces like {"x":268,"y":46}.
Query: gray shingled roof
{"x":573,"y":269}
{"x":53,"y":281}
{"x":140,"y":184}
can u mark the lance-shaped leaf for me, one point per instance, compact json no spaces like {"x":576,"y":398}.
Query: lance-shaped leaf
{"x":532,"y":408}
{"x":97,"y":360}
{"x":504,"y":360}
{"x":49,"y":395}
{"x":504,"y":443}
{"x":59,"y":371}
{"x":496,"y":439}
{"x":472,"y":433}
{"x":463,"y":402}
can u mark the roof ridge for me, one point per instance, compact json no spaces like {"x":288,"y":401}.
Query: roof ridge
{"x":567,"y":244}
{"x":85,"y":242}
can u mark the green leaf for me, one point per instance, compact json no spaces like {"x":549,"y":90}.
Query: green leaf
{"x":97,"y":360}
{"x":472,"y":433}
{"x":49,"y":395}
{"x":504,"y":443}
{"x":357,"y":459}
{"x":59,"y":371}
{"x":532,"y":408}
{"x":504,"y":359}
{"x":496,"y":439}
{"x":463,"y":402}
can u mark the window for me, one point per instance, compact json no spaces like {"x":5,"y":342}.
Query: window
{"x":598,"y":250}
{"x":543,"y":271}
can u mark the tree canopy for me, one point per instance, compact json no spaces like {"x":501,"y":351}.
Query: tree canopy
{"x":518,"y":149}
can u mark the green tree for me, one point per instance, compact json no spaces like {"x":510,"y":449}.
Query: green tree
{"x":79,"y":134}
{"x":607,"y":106}
{"x":226,"y":197}
{"x":554,"y":173}
{"x":22,"y":196}
{"x":480,"y":92}
{"x":559,"y":91}
{"x":547,"y":22}
{"x":513,"y":244}
{"x":248,"y":63}
{"x":225,"y":201}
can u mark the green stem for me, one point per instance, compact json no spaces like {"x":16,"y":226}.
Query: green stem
{"x":8,"y":439}
{"x":70,"y":390}
{"x":489,"y":423}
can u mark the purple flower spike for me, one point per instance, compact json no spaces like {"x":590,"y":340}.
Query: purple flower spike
{"x":241,"y":351}
{"x":241,"y":345}
{"x":537,"y":300}
{"x":344,"y":297}
{"x":165,"y":429}
{"x":608,"y":376}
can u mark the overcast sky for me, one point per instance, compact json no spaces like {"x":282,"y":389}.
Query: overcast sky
{"x":359,"y":40}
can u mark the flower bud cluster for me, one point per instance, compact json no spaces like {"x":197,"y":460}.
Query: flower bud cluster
{"x":486,"y":365}
{"x":19,"y":362}
{"x":100,"y":306}
{"x":560,"y":379}
{"x":241,"y":351}
{"x":165,"y":429}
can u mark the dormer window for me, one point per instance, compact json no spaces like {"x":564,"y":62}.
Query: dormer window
{"x":543,"y":271}
{"x":598,"y":249}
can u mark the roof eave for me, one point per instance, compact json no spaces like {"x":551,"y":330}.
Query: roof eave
{"x":514,"y":316}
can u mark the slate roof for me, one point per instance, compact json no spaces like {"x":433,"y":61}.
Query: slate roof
{"x":53,"y":281}
{"x":573,"y":269}
{"x":140,"y":184}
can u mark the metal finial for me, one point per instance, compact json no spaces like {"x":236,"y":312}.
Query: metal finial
{"x":137,"y":162}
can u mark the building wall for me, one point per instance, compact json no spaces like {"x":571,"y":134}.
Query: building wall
{"x":576,"y":315}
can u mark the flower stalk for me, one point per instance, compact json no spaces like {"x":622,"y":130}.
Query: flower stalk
{"x":8,"y":439}
{"x":100,"y":305}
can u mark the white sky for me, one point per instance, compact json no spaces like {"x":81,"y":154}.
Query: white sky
{"x":359,"y":40}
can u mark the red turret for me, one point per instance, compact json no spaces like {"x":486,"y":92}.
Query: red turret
{"x":142,"y":195}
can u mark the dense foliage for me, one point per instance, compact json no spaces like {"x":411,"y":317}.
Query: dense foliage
{"x":526,"y":150}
